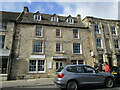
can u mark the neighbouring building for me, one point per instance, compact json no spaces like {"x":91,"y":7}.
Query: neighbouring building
{"x":7,"y":24}
{"x":105,"y":36}
{"x":37,"y":44}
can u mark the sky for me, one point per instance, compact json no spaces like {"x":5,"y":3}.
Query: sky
{"x":103,"y":9}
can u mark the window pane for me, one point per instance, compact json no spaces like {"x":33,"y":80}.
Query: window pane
{"x":3,"y":25}
{"x":96,"y":28}
{"x":116,"y":43}
{"x":75,"y":69}
{"x":38,"y":31}
{"x":89,"y":69}
{"x":76,"y":47}
{"x":37,"y":17}
{"x":75,"y":33}
{"x":54,"y":19}
{"x":3,"y":66}
{"x":59,"y":64}
{"x":70,"y":20}
{"x":80,"y":62}
{"x":57,"y":32}
{"x":37,"y":48}
{"x":113,"y":30}
{"x":2,"y":41}
{"x":57,"y":47}
{"x":32,"y":65}
{"x":74,"y":62}
{"x":41,"y":65}
{"x":98,"y":43}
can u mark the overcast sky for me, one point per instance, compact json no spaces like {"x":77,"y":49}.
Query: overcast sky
{"x":105,"y":9}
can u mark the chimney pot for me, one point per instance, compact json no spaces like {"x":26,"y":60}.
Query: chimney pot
{"x":26,"y":9}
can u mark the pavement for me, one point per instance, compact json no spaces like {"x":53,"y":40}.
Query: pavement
{"x":26,"y":83}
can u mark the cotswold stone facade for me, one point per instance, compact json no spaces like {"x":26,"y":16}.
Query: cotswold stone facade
{"x":42,"y":43}
{"x":106,"y":39}
{"x":7,"y":24}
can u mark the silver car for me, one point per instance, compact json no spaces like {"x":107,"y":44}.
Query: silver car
{"x":71,"y":77}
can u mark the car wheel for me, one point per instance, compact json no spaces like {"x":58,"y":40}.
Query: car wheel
{"x":109,"y":82}
{"x":72,"y":85}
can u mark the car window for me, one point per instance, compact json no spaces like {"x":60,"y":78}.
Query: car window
{"x":75,"y":69}
{"x":89,"y":69}
{"x":59,"y":69}
{"x":115,"y":69}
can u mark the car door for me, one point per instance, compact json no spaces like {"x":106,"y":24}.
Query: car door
{"x":76,"y":72}
{"x":91,"y":77}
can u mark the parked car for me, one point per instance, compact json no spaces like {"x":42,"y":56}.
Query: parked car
{"x":115,"y":70}
{"x":71,"y":77}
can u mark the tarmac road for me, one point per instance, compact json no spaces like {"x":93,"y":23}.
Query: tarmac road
{"x":53,"y":87}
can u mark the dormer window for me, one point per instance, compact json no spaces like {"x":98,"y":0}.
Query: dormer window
{"x":55,"y":19}
{"x":70,"y":20}
{"x":37,"y":17}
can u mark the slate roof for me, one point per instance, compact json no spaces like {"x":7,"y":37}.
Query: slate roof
{"x":28,"y":18}
{"x":9,"y":16}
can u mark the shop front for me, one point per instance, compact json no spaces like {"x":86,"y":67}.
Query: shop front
{"x":4,"y":63}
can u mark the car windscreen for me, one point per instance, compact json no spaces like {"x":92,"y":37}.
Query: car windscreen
{"x":59,"y":69}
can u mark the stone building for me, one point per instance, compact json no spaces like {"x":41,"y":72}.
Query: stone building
{"x":7,"y":24}
{"x":41,"y":43}
{"x":105,"y":36}
{"x":45,"y":42}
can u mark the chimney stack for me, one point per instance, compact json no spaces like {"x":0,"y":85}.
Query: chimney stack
{"x":26,"y":9}
{"x":78,"y":16}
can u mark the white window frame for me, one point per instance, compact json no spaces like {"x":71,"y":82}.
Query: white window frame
{"x":99,"y":44}
{"x":70,"y":20}
{"x":31,"y":66}
{"x":80,"y":48}
{"x":2,"y":42}
{"x":3,"y":26}
{"x":60,"y":62}
{"x":37,"y":46}
{"x":39,"y":31}
{"x":74,"y":35}
{"x":113,"y":31}
{"x":59,"y":32}
{"x":36,"y":69}
{"x":59,"y":47}
{"x":116,"y":44}
{"x":97,"y":29}
{"x":54,"y":19}
{"x":37,"y":17}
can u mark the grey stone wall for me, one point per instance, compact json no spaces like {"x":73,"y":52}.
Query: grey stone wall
{"x":24,"y":45}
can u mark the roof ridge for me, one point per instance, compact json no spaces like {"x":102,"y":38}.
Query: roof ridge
{"x":101,"y":18}
{"x":10,"y":12}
